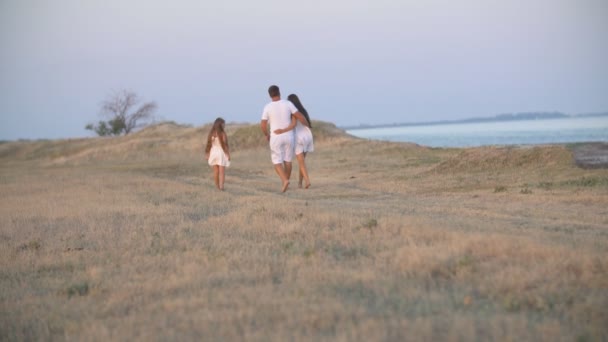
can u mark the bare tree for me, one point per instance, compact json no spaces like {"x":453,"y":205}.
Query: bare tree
{"x":121,"y":120}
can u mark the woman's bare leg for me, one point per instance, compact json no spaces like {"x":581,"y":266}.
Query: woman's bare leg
{"x":222,"y":177}
{"x":303,"y":170}
{"x":300,"y":175}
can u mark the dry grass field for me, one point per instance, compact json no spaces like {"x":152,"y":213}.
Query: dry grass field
{"x":127,"y":239}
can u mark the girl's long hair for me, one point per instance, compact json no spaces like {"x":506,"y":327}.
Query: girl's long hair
{"x":217,"y":131}
{"x":293,"y":98}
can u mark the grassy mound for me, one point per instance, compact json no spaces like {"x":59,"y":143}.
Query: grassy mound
{"x":506,"y":158}
{"x":161,"y":140}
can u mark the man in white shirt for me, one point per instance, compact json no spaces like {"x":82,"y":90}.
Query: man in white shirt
{"x":278,"y":113}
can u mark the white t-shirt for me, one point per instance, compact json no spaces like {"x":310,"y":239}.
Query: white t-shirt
{"x":278,"y":113}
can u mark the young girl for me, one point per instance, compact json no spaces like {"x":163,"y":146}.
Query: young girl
{"x":217,"y":152}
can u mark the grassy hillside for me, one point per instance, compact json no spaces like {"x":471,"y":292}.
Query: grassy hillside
{"x":128,"y":239}
{"x":157,"y":141}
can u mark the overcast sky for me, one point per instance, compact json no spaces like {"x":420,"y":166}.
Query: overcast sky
{"x":350,"y":61}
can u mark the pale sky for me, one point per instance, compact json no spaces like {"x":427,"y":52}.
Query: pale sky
{"x":350,"y":61}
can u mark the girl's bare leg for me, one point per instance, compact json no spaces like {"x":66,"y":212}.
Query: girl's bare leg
{"x":222,"y":177}
{"x":216,"y":175}
{"x":303,"y":170}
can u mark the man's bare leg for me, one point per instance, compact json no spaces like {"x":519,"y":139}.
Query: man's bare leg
{"x":287,"y":170}
{"x":281,"y":172}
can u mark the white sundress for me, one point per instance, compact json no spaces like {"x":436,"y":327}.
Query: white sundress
{"x":217,"y":156}
{"x":304,"y":141}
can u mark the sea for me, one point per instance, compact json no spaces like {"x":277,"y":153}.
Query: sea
{"x":521,"y":132}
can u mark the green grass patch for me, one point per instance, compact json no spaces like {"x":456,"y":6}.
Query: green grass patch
{"x":587,"y":182}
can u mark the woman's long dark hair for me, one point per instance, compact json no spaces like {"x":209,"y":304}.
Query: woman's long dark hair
{"x":293,"y":98}
{"x":218,"y":131}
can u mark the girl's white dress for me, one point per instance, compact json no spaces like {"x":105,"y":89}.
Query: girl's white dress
{"x":217,"y":156}
{"x":304,"y":141}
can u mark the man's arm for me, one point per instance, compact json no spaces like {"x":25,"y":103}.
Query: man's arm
{"x":264,"y":127}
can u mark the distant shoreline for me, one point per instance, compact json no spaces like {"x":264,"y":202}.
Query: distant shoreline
{"x":497,"y":118}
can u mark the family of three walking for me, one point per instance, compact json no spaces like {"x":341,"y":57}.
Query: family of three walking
{"x":286,"y":125}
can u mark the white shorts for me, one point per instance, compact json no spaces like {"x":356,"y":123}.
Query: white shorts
{"x":281,"y":148}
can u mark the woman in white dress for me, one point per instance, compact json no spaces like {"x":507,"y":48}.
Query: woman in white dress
{"x":300,"y":121}
{"x":217,"y":152}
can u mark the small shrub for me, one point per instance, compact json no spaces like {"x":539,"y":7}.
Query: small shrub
{"x":500,"y":188}
{"x":584,"y":338}
{"x":465,"y":261}
{"x":511,"y":303}
{"x":33,"y":245}
{"x":525,"y":190}
{"x":372,"y":223}
{"x":287,"y":245}
{"x":341,"y":253}
{"x":79,"y":289}
{"x":308,"y":252}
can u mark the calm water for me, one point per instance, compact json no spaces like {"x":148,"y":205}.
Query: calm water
{"x":523,"y":132}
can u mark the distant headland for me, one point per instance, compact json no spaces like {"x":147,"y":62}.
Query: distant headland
{"x":496,"y":118}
